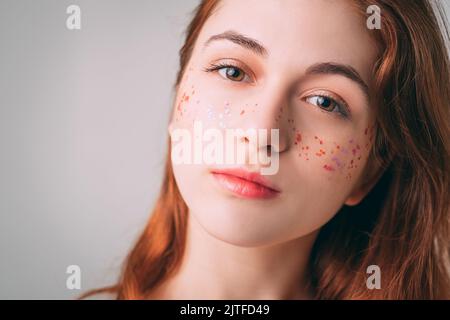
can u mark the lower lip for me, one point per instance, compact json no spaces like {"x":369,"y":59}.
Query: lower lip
{"x":244,"y":188}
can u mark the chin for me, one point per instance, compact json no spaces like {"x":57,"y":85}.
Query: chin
{"x":239,"y":227}
{"x":246,"y":240}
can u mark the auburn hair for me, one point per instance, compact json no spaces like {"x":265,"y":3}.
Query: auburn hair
{"x":402,"y":225}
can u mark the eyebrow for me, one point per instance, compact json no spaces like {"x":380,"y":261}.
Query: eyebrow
{"x":319,"y":68}
{"x":340,"y":69}
{"x":240,"y":39}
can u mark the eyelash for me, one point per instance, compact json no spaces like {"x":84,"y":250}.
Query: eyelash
{"x":216,"y":67}
{"x":343,"y":111}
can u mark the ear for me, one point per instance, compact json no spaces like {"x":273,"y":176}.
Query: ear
{"x":361,"y":190}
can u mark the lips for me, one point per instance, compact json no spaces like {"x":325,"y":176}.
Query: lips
{"x":245,"y":184}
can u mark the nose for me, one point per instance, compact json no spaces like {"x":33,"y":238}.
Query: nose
{"x":270,"y":112}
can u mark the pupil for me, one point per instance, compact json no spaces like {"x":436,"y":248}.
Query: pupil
{"x":232,"y":72}
{"x":324,"y":102}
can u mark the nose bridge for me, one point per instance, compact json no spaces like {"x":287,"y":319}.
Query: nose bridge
{"x":270,"y":113}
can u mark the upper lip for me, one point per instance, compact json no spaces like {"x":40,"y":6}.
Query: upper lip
{"x":245,"y":174}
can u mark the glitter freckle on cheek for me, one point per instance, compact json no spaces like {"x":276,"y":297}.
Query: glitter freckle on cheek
{"x":337,"y":161}
{"x":343,"y":157}
{"x":320,"y":153}
{"x":298,"y":137}
{"x":210,"y":113}
{"x":183,"y":103}
{"x":317,"y":138}
{"x":215,"y":113}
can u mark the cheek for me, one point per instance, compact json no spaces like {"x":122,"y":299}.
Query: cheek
{"x":186,"y":105}
{"x":334,"y":157}
{"x":195,"y":103}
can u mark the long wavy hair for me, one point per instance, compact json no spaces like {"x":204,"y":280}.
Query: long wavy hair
{"x":402,"y":225}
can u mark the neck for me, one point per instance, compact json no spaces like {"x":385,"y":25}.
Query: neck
{"x":214,"y":269}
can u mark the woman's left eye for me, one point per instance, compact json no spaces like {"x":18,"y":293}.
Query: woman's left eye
{"x":327,"y":103}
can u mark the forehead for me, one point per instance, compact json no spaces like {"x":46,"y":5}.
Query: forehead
{"x":298,"y":33}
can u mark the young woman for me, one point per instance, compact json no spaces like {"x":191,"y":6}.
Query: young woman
{"x":364,"y":155}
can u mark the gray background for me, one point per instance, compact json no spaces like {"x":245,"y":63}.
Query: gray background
{"x":83,"y":135}
{"x":83,"y":118}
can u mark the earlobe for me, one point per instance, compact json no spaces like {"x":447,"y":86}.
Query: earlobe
{"x":361,"y":192}
{"x":355,"y":198}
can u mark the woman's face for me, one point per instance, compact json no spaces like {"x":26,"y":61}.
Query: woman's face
{"x":309,"y":76}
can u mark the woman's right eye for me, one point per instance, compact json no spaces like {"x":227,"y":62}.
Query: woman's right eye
{"x":228,"y":71}
{"x":232,"y":73}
